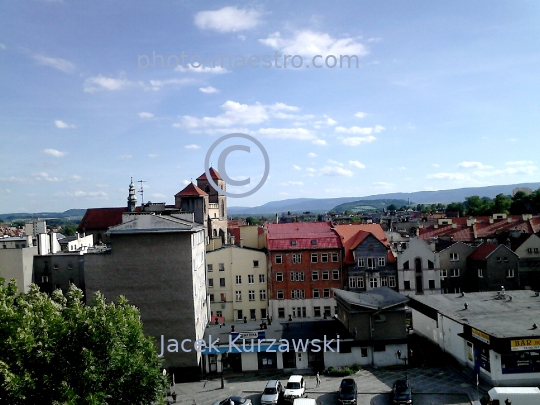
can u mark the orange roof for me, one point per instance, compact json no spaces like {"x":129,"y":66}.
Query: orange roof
{"x":190,"y":190}
{"x":213,"y":173}
{"x":353,"y":235}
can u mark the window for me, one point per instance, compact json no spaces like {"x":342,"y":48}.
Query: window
{"x":297,"y":276}
{"x":326,"y":293}
{"x":454,"y":257}
{"x":316,"y":293}
{"x":535,"y":250}
{"x":222,"y":282}
{"x":251,"y":279}
{"x":280,"y":295}
{"x":431,"y":284}
{"x":210,"y":267}
{"x":298,"y":294}
{"x":384,"y":281}
{"x":352,"y":282}
{"x":382,"y":261}
{"x":252,"y":314}
{"x":444,"y":273}
{"x":238,"y":280}
{"x":211,"y":283}
{"x":297,"y":258}
{"x":314,"y":258}
{"x":262,"y":278}
{"x":293,"y":242}
{"x":255,"y":263}
{"x":219,"y":313}
{"x":281,"y":312}
{"x":335,"y":274}
{"x":407,"y":285}
{"x":279,"y":277}
{"x":223,"y":297}
{"x":363,"y":351}
{"x":315,"y":275}
{"x":251,"y":295}
{"x":335,"y":257}
{"x":406,"y":265}
{"x":506,"y":259}
{"x":238,"y":296}
{"x":374,"y":282}
{"x":509,"y":273}
{"x":326,"y":275}
{"x":327,"y":311}
{"x":498,"y":259}
{"x":262,"y":295}
{"x":44,"y":279}
{"x":313,"y":241}
{"x":263,"y":313}
{"x":430,"y":265}
{"x":391,"y":281}
{"x":221,"y":266}
{"x":361,"y":262}
{"x":279,"y":259}
{"x":454,"y":273}
{"x":240,"y":313}
{"x":481,"y":273}
{"x":371,"y":262}
{"x":324,"y":257}
{"x":317,"y":311}
{"x":212,"y":298}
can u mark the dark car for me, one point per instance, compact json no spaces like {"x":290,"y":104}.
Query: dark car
{"x":347,"y":394}
{"x":402,"y":393}
{"x":234,"y":401}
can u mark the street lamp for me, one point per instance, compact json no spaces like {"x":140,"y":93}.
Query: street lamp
{"x":398,"y":354}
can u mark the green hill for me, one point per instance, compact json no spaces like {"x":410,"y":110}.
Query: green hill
{"x":368,"y":205}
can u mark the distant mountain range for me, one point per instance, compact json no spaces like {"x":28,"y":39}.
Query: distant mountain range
{"x":321,"y":205}
{"x":318,"y":205}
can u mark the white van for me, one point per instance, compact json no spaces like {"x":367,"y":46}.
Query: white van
{"x":512,"y":395}
{"x":304,"y":401}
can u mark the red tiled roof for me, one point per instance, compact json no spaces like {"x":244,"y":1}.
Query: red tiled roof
{"x":236,"y":232}
{"x":102,"y":218}
{"x":213,"y":173}
{"x":190,"y":190}
{"x":281,"y":236}
{"x":353,"y":235}
{"x":483,"y":251}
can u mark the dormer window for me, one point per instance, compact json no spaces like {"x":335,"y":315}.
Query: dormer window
{"x":313,"y":241}
{"x":293,"y":243}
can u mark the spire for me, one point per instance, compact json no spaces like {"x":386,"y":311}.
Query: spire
{"x":132,"y":198}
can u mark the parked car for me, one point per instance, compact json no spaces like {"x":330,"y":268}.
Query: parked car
{"x":272,"y":393}
{"x":234,"y":401}
{"x":402,"y":393}
{"x":347,"y":393}
{"x":295,"y":388}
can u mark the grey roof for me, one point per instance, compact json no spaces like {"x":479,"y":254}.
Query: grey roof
{"x":501,"y":318}
{"x":151,"y":223}
{"x":378,"y":298}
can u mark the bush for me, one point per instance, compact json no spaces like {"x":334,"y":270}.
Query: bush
{"x":342,"y":371}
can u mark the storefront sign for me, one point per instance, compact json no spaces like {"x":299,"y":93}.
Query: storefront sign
{"x":481,"y":336}
{"x":260,"y":335}
{"x":525,"y":344}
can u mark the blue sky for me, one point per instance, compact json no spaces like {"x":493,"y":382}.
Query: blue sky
{"x":439,"y":95}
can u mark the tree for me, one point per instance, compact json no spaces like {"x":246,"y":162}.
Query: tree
{"x":252,"y":221}
{"x":57,"y":350}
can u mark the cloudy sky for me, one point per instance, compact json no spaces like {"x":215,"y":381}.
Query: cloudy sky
{"x":347,"y":98}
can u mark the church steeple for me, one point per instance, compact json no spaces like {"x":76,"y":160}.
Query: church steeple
{"x":132,"y":198}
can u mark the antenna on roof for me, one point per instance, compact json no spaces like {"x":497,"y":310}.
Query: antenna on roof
{"x":141,"y":191}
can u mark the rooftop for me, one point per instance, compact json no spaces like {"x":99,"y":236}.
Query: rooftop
{"x":302,"y":235}
{"x":378,"y":298}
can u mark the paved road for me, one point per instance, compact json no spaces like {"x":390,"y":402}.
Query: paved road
{"x":431,"y":386}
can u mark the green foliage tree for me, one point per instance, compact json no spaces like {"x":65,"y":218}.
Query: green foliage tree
{"x":57,"y":350}
{"x":392,"y":207}
{"x":252,"y":221}
{"x":456,"y":207}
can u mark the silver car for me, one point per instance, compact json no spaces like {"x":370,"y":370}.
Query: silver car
{"x":272,"y":393}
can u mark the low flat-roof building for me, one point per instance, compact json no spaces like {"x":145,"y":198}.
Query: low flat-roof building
{"x":496,"y":334}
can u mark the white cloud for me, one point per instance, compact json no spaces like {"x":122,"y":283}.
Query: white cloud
{"x":297,"y":167}
{"x":291,"y":183}
{"x":357,"y":140}
{"x":333,"y":162}
{"x":62,"y":125}
{"x":238,"y":114}
{"x":357,"y":164}
{"x":227,"y":19}
{"x":286,"y":133}
{"x":146,"y":115}
{"x":335,"y":171}
{"x":54,"y":152}
{"x":328,"y":121}
{"x":153,"y":155}
{"x":360,"y":114}
{"x":474,"y":165}
{"x":125,"y":157}
{"x":321,"y":142}
{"x":310,"y":43}
{"x":209,"y":90}
{"x":217,"y":70}
{"x":79,"y":194}
{"x":100,"y":83}
{"x":192,"y":146}
{"x":159,"y":84}
{"x":449,"y":176}
{"x":312,"y":155}
{"x":57,"y":63}
{"x":360,"y":130}
{"x":43,"y":176}
{"x":520,"y":163}
{"x":186,"y":182}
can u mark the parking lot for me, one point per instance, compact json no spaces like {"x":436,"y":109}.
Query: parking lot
{"x":431,"y":386}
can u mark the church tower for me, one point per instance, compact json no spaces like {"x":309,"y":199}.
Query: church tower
{"x":217,"y":205}
{"x":132,"y":198}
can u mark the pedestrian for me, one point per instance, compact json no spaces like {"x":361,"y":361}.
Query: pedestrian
{"x":318,"y":379}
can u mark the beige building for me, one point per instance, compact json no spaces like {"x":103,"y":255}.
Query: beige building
{"x":17,"y":260}
{"x":237,"y":284}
